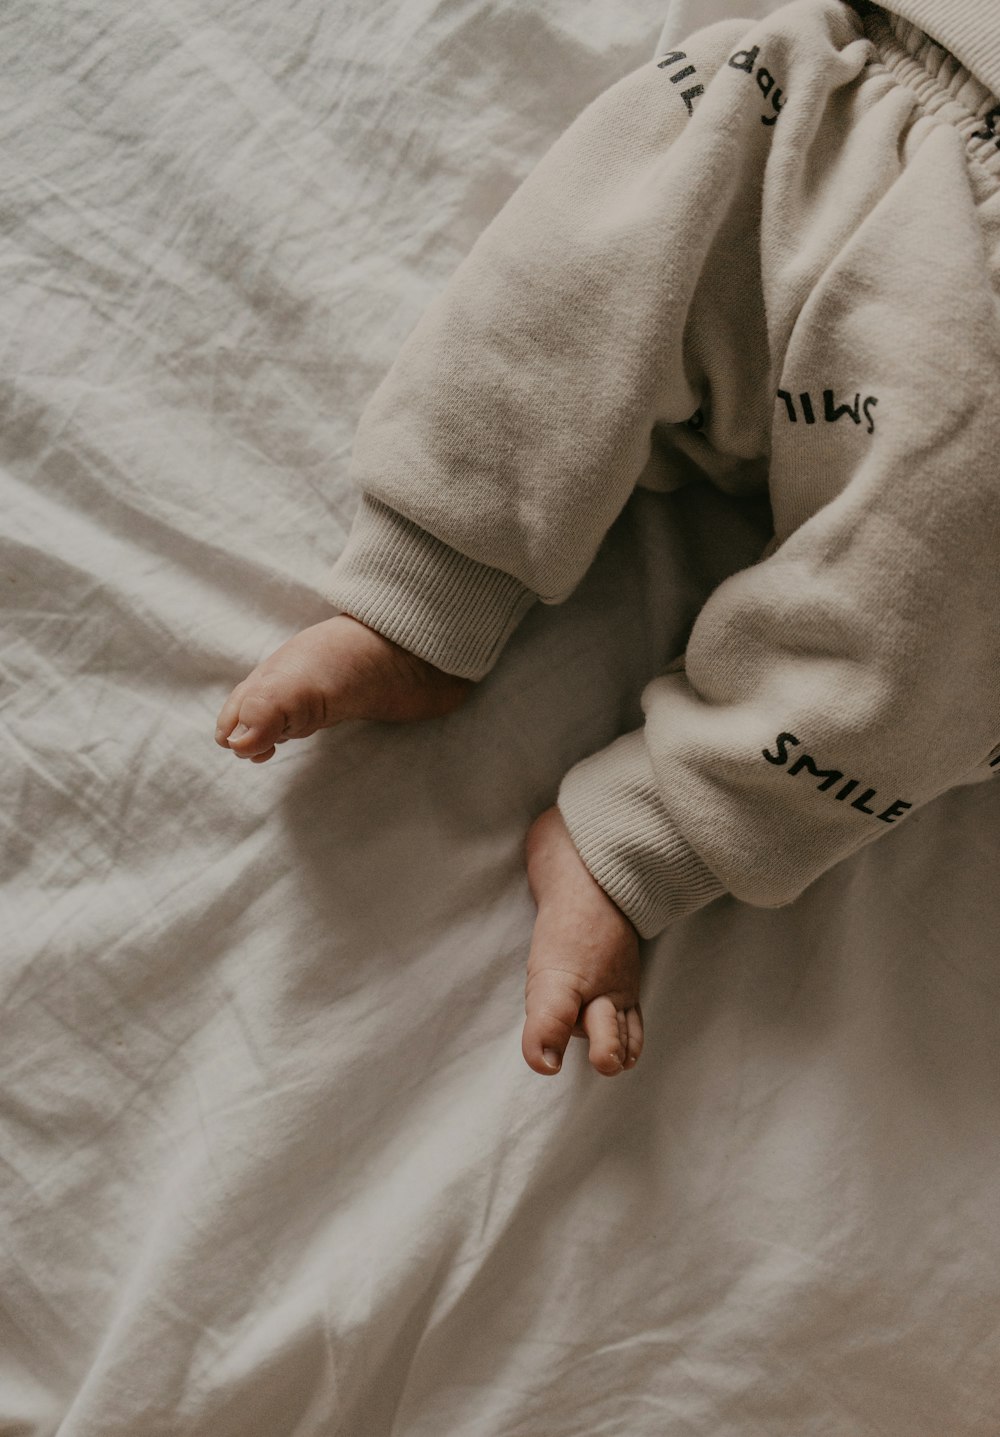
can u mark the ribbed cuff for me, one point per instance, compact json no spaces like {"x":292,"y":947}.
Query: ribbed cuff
{"x":400,"y":580}
{"x":628,"y":840}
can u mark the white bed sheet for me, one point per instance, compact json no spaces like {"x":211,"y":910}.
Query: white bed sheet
{"x":270,"y":1160}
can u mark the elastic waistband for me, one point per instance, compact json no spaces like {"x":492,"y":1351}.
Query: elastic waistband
{"x":941,"y":84}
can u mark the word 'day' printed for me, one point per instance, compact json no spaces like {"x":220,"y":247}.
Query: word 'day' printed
{"x":745,"y":60}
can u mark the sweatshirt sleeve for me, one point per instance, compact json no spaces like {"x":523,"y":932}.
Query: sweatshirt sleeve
{"x":513,"y":426}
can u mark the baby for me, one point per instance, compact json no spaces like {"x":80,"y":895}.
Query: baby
{"x":766,"y":261}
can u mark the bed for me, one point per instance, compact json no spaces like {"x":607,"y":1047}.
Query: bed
{"x":270,"y":1159}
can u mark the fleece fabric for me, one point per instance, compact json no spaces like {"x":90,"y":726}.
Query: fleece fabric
{"x":767,"y":260}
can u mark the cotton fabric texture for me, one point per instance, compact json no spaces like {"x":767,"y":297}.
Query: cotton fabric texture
{"x":271,"y":1163}
{"x":765,"y":261}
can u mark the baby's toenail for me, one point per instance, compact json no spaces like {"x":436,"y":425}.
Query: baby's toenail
{"x":551,"y":1057}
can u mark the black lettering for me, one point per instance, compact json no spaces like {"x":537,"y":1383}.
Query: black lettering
{"x":766,"y":82}
{"x":745,"y":60}
{"x":789,"y":405}
{"x":693,"y":91}
{"x":782,"y":754}
{"x":747,"y":63}
{"x":832,"y":412}
{"x":888,"y":814}
{"x":829,"y":775}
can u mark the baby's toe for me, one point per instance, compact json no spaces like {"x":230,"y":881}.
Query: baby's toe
{"x":551,"y":1006}
{"x":229,"y":716}
{"x":608,"y":1044}
{"x":633,"y":1022}
{"x":261,"y":721}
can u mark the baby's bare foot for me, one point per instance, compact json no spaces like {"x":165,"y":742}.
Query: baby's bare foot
{"x":338,"y":669}
{"x":583,"y":968}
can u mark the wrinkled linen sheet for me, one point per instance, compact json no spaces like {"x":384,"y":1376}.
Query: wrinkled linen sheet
{"x":270,"y":1160}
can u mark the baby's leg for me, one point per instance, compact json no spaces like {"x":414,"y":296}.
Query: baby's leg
{"x":335,"y":670}
{"x":583,"y":968}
